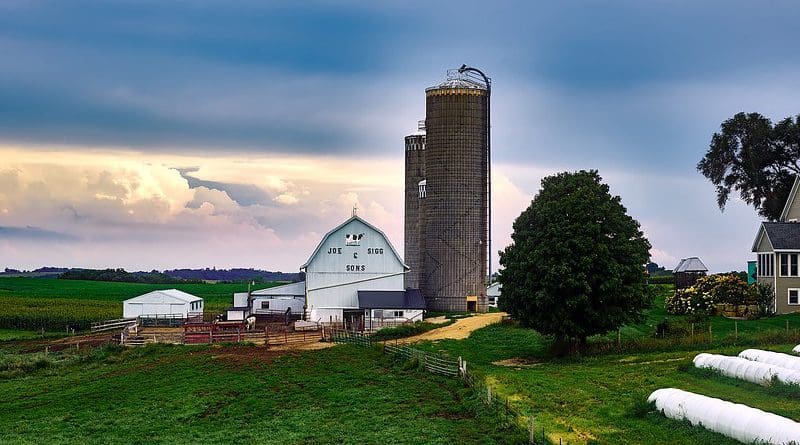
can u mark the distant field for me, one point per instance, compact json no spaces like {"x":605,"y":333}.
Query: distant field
{"x":237,"y":394}
{"x":31,"y":303}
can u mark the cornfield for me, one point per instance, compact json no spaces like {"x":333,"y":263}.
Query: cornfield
{"x":55,"y":314}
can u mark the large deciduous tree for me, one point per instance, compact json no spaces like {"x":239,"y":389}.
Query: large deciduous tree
{"x":575,"y":267}
{"x":755,"y":158}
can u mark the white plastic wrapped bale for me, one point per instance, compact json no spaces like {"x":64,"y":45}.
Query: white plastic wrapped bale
{"x":796,"y":350}
{"x":748,"y":370}
{"x":772,"y":358}
{"x":734,"y":420}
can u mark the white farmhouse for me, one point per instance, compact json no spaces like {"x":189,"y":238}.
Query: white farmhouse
{"x":169,"y":302}
{"x":352,"y":259}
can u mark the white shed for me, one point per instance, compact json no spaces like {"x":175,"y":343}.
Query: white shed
{"x":279,"y":298}
{"x":493,"y":292}
{"x":163,"y":302}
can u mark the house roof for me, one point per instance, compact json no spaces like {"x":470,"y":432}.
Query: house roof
{"x":782,"y":235}
{"x":298,"y":288}
{"x":391,"y":299}
{"x":165,"y":295}
{"x":790,"y":199}
{"x":692,"y":264}
{"x":354,"y":217}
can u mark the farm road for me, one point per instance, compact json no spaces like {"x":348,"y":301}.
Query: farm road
{"x":458,"y":330}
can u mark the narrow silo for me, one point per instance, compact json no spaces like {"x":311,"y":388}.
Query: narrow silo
{"x":414,"y":207}
{"x":456,"y":206}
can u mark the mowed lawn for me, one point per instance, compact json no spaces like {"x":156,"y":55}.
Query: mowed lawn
{"x":600,"y":399}
{"x":32,"y":303}
{"x":241,"y":394}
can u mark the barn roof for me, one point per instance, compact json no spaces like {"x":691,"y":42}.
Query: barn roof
{"x":165,"y":295}
{"x":391,"y":299}
{"x":354,"y":217}
{"x":692,"y":264}
{"x":782,"y":235}
{"x":298,"y":288}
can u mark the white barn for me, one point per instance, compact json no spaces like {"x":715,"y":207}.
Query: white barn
{"x":163,"y":302}
{"x":351,"y":259}
{"x":279,"y":299}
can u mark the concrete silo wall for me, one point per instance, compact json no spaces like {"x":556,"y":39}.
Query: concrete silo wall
{"x":414,"y":213}
{"x":456,"y":206}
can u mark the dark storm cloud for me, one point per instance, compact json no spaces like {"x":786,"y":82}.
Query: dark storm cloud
{"x":242,"y":194}
{"x":34,"y":233}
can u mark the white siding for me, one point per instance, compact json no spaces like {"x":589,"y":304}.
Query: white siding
{"x":337,"y":271}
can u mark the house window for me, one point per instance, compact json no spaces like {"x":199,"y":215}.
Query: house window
{"x":265,"y":305}
{"x":398,"y":314}
{"x":794,"y":296}
{"x":789,"y":264}
{"x":766,"y":265}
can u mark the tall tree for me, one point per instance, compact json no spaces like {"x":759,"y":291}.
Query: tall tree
{"x":576,"y":264}
{"x":755,"y":158}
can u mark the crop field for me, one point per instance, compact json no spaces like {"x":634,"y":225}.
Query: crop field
{"x":34,"y":303}
{"x":235,"y":394}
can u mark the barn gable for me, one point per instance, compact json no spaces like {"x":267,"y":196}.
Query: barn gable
{"x":359,"y":241}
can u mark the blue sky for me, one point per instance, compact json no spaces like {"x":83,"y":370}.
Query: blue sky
{"x":162,"y":128}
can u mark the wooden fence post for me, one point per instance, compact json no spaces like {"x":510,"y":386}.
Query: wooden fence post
{"x":488,"y":394}
{"x":531,"y":430}
{"x":692,"y":332}
{"x":736,"y":330}
{"x":787,"y":327}
{"x":710,"y":336}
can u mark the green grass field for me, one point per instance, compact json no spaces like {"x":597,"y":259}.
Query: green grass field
{"x":237,"y":394}
{"x":598,"y":397}
{"x":32,"y":303}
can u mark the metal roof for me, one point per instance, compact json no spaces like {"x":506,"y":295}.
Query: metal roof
{"x":354,"y":217}
{"x":298,"y":288}
{"x":692,"y":264}
{"x":783,"y":235}
{"x":165,"y":294}
{"x":391,"y":299}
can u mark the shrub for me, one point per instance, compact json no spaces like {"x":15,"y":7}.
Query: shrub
{"x":764,"y":296}
{"x":702,"y":297}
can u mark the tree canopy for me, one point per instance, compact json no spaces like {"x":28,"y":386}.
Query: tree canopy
{"x":575,"y":267}
{"x":755,"y":158}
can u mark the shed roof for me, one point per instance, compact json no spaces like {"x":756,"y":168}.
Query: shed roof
{"x":391,"y":299}
{"x":692,"y":264}
{"x":161,"y":296}
{"x":298,"y":288}
{"x":783,"y":235}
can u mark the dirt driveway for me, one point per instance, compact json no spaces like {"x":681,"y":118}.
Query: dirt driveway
{"x":458,"y":330}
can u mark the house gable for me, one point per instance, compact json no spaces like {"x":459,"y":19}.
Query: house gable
{"x":762,"y":243}
{"x":791,"y":211}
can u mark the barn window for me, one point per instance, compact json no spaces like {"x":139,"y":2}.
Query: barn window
{"x":398,"y":313}
{"x":265,"y":305}
{"x":794,"y":296}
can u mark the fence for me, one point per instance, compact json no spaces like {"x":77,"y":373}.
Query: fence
{"x":108,"y":325}
{"x":448,"y":366}
{"x":161,"y":320}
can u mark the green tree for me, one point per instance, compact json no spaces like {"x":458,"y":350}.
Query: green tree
{"x":755,"y":158}
{"x":575,"y":267}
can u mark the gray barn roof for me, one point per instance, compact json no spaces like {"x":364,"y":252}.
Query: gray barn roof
{"x":391,"y":299}
{"x":783,"y":235}
{"x":692,"y":264}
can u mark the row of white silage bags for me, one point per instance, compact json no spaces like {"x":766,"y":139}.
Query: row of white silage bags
{"x":751,"y":371}
{"x":740,"y":422}
{"x":772,"y":358}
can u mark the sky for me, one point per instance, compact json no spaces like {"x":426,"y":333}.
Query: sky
{"x":156,"y":135}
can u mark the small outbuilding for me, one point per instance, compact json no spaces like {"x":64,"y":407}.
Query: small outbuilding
{"x":278,"y":299}
{"x":390,"y":307}
{"x":688,"y":271}
{"x":160,"y":303}
{"x":493,"y":292}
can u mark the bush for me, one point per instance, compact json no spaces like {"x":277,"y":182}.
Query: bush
{"x":702,"y":297}
{"x":765,"y":296}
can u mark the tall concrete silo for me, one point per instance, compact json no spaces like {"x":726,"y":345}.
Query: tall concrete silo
{"x":457,"y":189}
{"x":415,"y":207}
